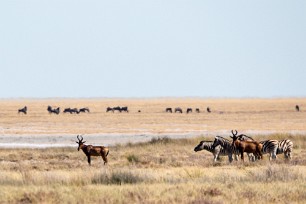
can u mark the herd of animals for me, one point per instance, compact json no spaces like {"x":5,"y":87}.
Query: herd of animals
{"x":118,"y":109}
{"x":242,"y":143}
{"x":108,"y":109}
{"x":221,"y":146}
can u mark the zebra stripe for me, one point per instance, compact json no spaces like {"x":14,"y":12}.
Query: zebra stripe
{"x":208,"y":145}
{"x":268,"y":146}
{"x":227,"y":146}
{"x":285,"y":146}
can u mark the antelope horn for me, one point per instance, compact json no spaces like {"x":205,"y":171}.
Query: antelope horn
{"x":234,"y":134}
{"x":79,"y":138}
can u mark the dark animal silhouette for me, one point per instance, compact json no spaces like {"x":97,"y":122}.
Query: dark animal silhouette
{"x":208,"y":109}
{"x":189,"y":110}
{"x":116,"y":109}
{"x":124,"y":109}
{"x":71,"y":110}
{"x":197,"y":110}
{"x":297,"y":108}
{"x":109,"y":109}
{"x":90,"y":150}
{"x":55,"y":110}
{"x":169,"y":110}
{"x":84,"y":110}
{"x":23,"y":110}
{"x":178,"y":110}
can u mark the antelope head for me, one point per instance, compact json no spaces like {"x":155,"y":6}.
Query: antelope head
{"x":234,"y":137}
{"x":80,"y":142}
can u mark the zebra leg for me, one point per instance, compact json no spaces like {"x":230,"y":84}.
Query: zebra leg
{"x":88,"y":159}
{"x":230,"y":158}
{"x":215,"y":157}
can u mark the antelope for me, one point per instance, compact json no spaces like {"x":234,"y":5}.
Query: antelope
{"x":246,"y":146}
{"x":268,"y":146}
{"x":90,"y":150}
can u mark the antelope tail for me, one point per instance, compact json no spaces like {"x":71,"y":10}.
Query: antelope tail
{"x":107,"y":153}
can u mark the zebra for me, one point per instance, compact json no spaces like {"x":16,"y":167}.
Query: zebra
{"x":285,"y":146}
{"x":207,"y":145}
{"x":229,"y":149}
{"x":268,"y":146}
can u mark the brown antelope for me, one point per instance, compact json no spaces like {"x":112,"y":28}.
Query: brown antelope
{"x":246,"y":146}
{"x":90,"y":150}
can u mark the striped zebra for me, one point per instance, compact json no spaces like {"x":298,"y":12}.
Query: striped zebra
{"x":268,"y":146}
{"x":207,"y":145}
{"x":285,"y":146}
{"x":229,"y":149}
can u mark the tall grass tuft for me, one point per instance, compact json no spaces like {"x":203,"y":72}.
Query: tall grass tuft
{"x":273,"y":173}
{"x":132,"y":158}
{"x":160,"y":140}
{"x":118,"y":177}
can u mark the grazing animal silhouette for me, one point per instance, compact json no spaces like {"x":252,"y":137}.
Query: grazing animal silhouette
{"x":208,"y":110}
{"x":297,"y":108}
{"x":124,"y":109}
{"x":55,"y":110}
{"x":90,"y":150}
{"x":169,"y":110}
{"x":84,"y":110}
{"x":23,"y":110}
{"x":189,"y":110}
{"x":197,"y":110}
{"x":71,"y":110}
{"x":178,"y":110}
{"x":109,"y":109}
{"x":116,"y":109}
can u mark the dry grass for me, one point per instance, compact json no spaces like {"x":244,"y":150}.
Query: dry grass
{"x":265,"y":115}
{"x":160,"y":171}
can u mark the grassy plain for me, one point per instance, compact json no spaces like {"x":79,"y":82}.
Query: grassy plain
{"x":159,"y":171}
{"x":264,"y":115}
{"x":162,"y":170}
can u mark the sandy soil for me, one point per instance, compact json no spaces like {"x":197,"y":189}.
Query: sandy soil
{"x":40,"y":129}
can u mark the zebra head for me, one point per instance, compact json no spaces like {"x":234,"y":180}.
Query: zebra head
{"x":199,"y":147}
{"x":219,"y":141}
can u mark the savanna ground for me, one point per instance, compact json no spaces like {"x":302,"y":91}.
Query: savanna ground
{"x":161,"y":170}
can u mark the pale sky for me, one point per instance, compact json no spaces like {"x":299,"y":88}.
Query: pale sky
{"x":152,"y":48}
